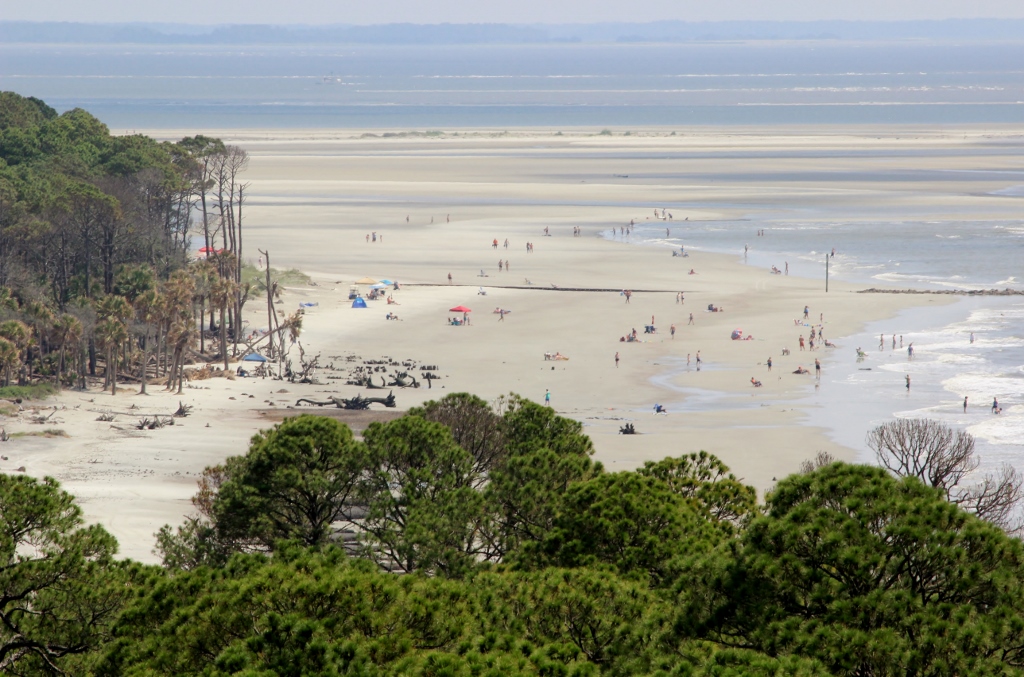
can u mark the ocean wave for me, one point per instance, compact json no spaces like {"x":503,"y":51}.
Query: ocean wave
{"x":986,"y":386}
{"x":1006,"y":428}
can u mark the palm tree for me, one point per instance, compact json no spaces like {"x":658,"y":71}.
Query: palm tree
{"x":66,"y":329}
{"x":148,"y":310}
{"x":8,"y":358}
{"x":111,"y":333}
{"x":221,"y":294}
{"x":18,"y":333}
{"x":41,"y":318}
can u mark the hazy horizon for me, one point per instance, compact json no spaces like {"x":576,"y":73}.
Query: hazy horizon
{"x":319,"y":12}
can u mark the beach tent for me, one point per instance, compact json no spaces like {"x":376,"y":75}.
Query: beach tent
{"x":459,"y":309}
{"x":366,"y":280}
{"x":359,"y":302}
{"x":254,"y":357}
{"x":386,"y":283}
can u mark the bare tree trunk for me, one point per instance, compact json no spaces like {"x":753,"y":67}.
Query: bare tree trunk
{"x":112,"y":368}
{"x":224,"y":333}
{"x":270,"y":303}
{"x":145,"y":362}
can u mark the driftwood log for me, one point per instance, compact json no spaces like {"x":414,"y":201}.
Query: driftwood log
{"x":403,"y":379}
{"x":357,"y":402}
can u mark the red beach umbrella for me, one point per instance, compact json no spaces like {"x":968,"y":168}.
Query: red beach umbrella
{"x":459,"y":309}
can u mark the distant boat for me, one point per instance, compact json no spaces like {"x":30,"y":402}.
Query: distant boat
{"x":332,"y":79}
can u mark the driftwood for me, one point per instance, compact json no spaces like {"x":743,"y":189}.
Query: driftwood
{"x":627,"y":429}
{"x":183,"y":410}
{"x":403,"y":379}
{"x":154,"y":423}
{"x":357,"y":402}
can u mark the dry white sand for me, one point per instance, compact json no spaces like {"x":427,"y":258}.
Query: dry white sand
{"x":314,"y":197}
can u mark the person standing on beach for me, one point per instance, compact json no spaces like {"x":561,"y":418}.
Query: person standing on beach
{"x":616,"y":360}
{"x":698,"y":360}
{"x":801,"y":341}
{"x":965,"y":404}
{"x":995,"y":405}
{"x":807,"y":311}
{"x":672,"y":330}
{"x":908,"y":381}
{"x":449,"y":278}
{"x":628,"y":294}
{"x":817,"y":369}
{"x":769,"y":364}
{"x":910,"y":351}
{"x":501,"y":265}
{"x":547,"y":397}
{"x":972,"y":337}
{"x":787,"y":267}
{"x":506,"y":266}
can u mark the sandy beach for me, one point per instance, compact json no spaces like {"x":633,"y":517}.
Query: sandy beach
{"x":439,"y":202}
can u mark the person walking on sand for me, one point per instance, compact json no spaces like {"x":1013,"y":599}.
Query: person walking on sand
{"x":627,"y":294}
{"x":506,"y":266}
{"x":501,"y":315}
{"x":501,"y":265}
{"x":672,"y":330}
{"x":910,"y":351}
{"x":691,"y":319}
{"x":769,"y":364}
{"x":698,"y":360}
{"x":547,"y":397}
{"x":616,"y":360}
{"x":449,"y":278}
{"x":817,"y":369}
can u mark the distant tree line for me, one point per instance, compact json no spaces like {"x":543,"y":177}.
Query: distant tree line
{"x":97,"y":273}
{"x":473,"y":539}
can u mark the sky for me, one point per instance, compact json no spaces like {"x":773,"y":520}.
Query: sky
{"x":495,"y":11}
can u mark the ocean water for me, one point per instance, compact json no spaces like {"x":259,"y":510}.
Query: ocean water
{"x":932,"y":255}
{"x":432,"y":86}
{"x":946,"y":367}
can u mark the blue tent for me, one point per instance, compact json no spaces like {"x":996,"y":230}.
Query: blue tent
{"x":359,"y":302}
{"x":254,"y":357}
